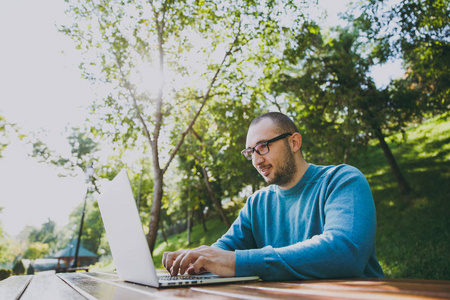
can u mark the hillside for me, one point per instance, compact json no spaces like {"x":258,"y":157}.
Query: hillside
{"x":413,"y":237}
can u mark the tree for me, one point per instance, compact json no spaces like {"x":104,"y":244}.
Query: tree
{"x":4,"y":258}
{"x":333,"y":94}
{"x":18,"y":268}
{"x":84,"y":152}
{"x":415,"y":31}
{"x":187,"y":45}
{"x":93,"y":229}
{"x":47,"y":234}
{"x":36,"y":250}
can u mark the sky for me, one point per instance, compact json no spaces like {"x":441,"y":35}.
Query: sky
{"x":41,"y":91}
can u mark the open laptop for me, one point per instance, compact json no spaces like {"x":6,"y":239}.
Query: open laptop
{"x":128,"y":244}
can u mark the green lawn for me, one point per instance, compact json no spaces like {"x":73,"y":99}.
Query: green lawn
{"x":413,"y":238}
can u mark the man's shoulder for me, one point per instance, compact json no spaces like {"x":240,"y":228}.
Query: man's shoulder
{"x":333,"y":170}
{"x":333,"y":173}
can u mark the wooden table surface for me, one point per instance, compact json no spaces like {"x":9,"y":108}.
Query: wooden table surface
{"x":108,"y":286}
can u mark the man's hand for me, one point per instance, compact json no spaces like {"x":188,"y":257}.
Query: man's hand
{"x":200,"y":260}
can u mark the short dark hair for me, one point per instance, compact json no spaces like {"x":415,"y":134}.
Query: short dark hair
{"x":282,"y":122}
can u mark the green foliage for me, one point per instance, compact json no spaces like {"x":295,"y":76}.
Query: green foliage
{"x":48,"y":234}
{"x":335,"y":97}
{"x":18,"y":268}
{"x":417,"y":32}
{"x":30,"y":270}
{"x":5,"y":273}
{"x":84,"y":151}
{"x":93,"y":229}
{"x":6,"y":255}
{"x":36,"y":250}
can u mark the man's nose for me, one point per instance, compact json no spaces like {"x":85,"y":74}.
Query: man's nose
{"x":257,"y":158}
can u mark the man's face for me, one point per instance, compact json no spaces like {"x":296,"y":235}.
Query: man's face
{"x":279,"y":165}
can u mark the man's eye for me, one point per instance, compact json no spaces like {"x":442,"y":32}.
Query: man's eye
{"x":260,"y":147}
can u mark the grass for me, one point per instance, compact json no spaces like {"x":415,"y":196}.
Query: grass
{"x":413,"y":235}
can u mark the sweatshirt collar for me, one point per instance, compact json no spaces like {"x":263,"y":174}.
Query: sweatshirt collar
{"x":299,"y":185}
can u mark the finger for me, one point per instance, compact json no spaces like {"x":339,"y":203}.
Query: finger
{"x":188,"y":259}
{"x":199,"y":265}
{"x":191,"y":271}
{"x":170,"y":257}
{"x":163,"y":260}
{"x":176,"y":263}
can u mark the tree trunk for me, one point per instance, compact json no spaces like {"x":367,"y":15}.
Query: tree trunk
{"x":153,"y":138}
{"x":401,"y":181}
{"x":189,"y":225}
{"x":156,"y":209}
{"x":216,"y":202}
{"x":346,"y":156}
{"x":163,"y":232}
{"x":138,"y":198}
{"x":201,"y":216}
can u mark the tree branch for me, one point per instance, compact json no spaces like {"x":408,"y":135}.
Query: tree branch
{"x":205,"y":98}
{"x":134,"y":98}
{"x":130,"y":91}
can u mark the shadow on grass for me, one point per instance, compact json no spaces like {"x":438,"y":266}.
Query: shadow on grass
{"x":413,"y":235}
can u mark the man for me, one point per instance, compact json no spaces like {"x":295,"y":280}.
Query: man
{"x":311,"y":221}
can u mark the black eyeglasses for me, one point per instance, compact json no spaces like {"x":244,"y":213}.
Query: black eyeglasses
{"x":262,"y":148}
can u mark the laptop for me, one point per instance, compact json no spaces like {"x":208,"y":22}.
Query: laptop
{"x":128,"y":244}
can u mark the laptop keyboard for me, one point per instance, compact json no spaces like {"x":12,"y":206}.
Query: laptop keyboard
{"x":184,"y":277}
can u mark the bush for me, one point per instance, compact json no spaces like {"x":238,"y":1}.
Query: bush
{"x":30,"y":270}
{"x":5,"y":273}
{"x":19,"y":268}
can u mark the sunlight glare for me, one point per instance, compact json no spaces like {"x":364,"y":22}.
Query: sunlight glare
{"x":149,"y":78}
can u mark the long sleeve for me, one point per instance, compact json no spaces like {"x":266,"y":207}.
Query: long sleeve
{"x":324,"y":227}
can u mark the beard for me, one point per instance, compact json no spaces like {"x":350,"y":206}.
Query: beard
{"x":286,"y":171}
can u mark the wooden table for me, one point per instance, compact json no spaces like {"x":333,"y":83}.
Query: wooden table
{"x":108,"y":286}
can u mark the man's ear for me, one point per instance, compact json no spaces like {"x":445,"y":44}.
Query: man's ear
{"x":296,"y":142}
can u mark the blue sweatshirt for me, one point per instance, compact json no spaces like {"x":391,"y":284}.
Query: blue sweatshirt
{"x":323,"y":227}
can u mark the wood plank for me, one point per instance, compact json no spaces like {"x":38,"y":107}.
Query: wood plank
{"x":319,"y":289}
{"x":410,"y":287}
{"x":14,"y":286}
{"x":108,"y":286}
{"x":113,"y":277}
{"x":353,"y":289}
{"x":48,"y":286}
{"x":170,"y":293}
{"x":106,"y":290}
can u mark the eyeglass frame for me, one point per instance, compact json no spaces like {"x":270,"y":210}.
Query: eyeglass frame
{"x":253,"y":149}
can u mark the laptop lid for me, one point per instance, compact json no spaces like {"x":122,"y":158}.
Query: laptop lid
{"x":125,"y":234}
